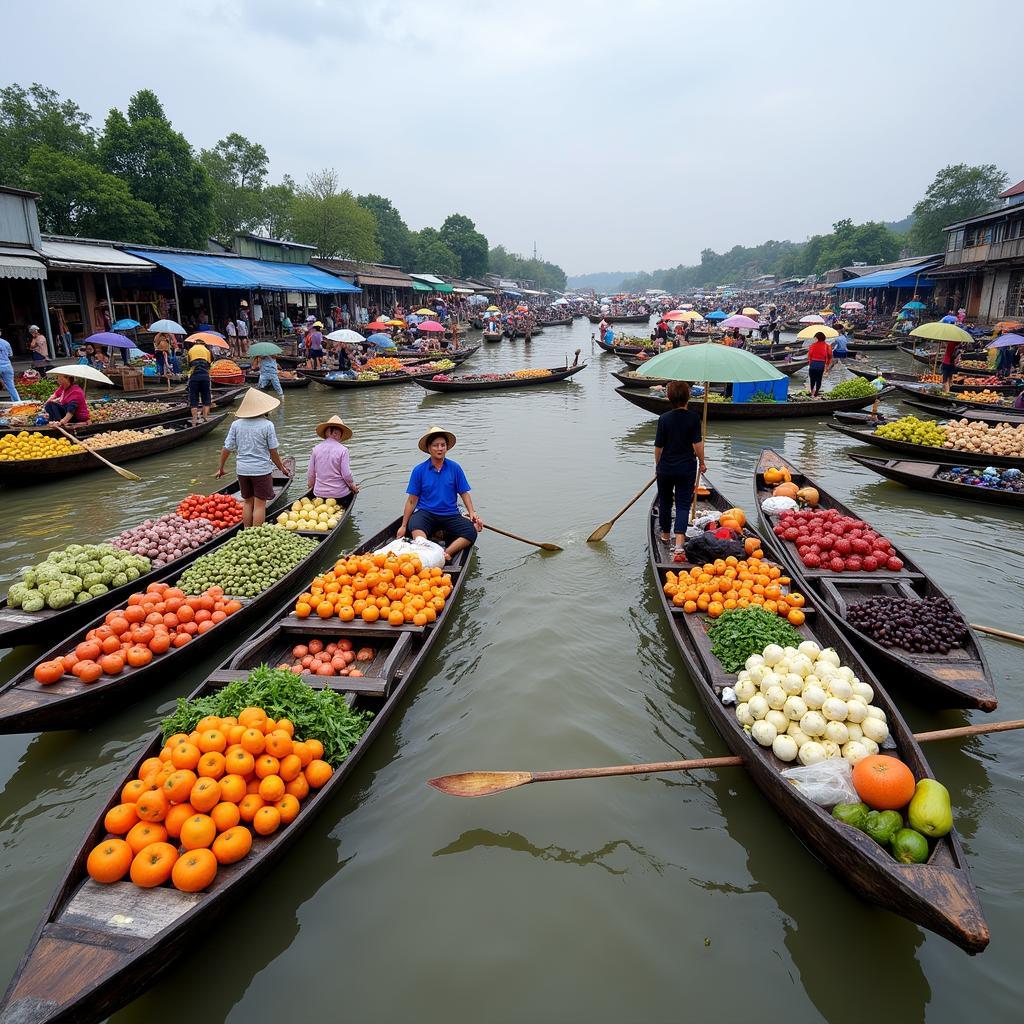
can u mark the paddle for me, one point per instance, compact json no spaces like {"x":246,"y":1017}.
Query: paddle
{"x":992,"y":631}
{"x":513,"y":536}
{"x":602,"y":531}
{"x":489,"y":783}
{"x":117,"y":469}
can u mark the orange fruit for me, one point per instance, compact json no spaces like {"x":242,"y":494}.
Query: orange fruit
{"x":150,"y":765}
{"x":284,"y":725}
{"x":132,"y":791}
{"x":240,"y":762}
{"x":186,"y":755}
{"x":121,"y":819}
{"x":298,"y":787}
{"x":884,"y":783}
{"x":211,"y":765}
{"x":266,"y":821}
{"x":153,"y":865}
{"x":290,"y":768}
{"x":232,"y":788}
{"x":317,"y":773}
{"x":152,"y":806}
{"x":178,"y":785}
{"x":225,"y":815}
{"x":249,"y":805}
{"x":205,"y":795}
{"x":288,"y":808}
{"x":176,"y":817}
{"x":251,"y":716}
{"x":796,"y":617}
{"x":279,"y":743}
{"x":253,"y":741}
{"x":110,"y":861}
{"x":197,"y":831}
{"x":194,"y":871}
{"x":232,"y":845}
{"x":303,"y":752}
{"x":266,"y":765}
{"x":271,"y":788}
{"x":316,"y":747}
{"x":212,"y":740}
{"x":144,"y":833}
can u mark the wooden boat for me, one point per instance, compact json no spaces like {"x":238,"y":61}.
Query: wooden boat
{"x":862,"y":334}
{"x":99,"y":946}
{"x":976,"y":412}
{"x":493,"y":335}
{"x":220,"y":394}
{"x":924,"y":476}
{"x":558,"y":373}
{"x":341,"y":383}
{"x":457,"y":356}
{"x":658,"y":404}
{"x":632,"y":379}
{"x":938,"y":895}
{"x":36,"y":471}
{"x":564,"y":322}
{"x":631,"y":318}
{"x":898,"y":377}
{"x":300,"y":380}
{"x":929,"y":358}
{"x":26,"y":706}
{"x":959,"y":679}
{"x":921,"y":396}
{"x":18,"y":627}
{"x":923,"y":451}
{"x":625,"y":350}
{"x":882,"y":344}
{"x":171,"y":410}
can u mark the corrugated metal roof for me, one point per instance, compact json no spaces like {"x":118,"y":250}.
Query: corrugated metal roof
{"x":64,"y":255}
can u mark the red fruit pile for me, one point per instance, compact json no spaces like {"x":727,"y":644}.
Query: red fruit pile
{"x":333,"y":659}
{"x":826,"y":539}
{"x":220,"y":509}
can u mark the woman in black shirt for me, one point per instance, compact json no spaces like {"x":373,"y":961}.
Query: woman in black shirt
{"x":678,"y":450}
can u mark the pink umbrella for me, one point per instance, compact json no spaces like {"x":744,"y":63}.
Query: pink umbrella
{"x":431,"y":325}
{"x":743,"y":322}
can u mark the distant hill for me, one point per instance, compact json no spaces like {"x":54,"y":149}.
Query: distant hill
{"x":901,"y":227}
{"x":605,"y":282}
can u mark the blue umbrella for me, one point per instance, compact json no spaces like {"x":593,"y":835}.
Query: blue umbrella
{"x":1006,"y":340}
{"x":381,"y":340}
{"x":915,"y":305}
{"x":167,"y":327}
{"x":125,"y":325}
{"x":110,"y":340}
{"x":948,"y":319}
{"x":717,"y":315}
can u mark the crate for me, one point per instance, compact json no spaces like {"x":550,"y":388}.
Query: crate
{"x":778,"y":389}
{"x":127,"y":378}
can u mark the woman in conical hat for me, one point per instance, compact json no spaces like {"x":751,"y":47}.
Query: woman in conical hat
{"x":254,"y":441}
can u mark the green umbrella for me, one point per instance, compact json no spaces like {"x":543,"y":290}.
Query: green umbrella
{"x":719,"y":364}
{"x":265,"y":348}
{"x":942,"y":332}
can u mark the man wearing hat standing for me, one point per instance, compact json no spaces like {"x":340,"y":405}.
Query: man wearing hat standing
{"x":199,"y":396}
{"x":329,"y":475}
{"x":434,"y":487}
{"x":254,"y":441}
{"x":315,"y":345}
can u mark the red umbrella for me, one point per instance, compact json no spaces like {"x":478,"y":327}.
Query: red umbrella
{"x":431,"y":325}
{"x":378,"y":325}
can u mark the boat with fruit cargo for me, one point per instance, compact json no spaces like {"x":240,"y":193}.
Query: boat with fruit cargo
{"x":937,"y":894}
{"x":890,"y":439}
{"x":494,"y":381}
{"x":931,"y":358}
{"x":53,"y":458}
{"x":325,"y":378}
{"x":631,"y":379}
{"x":18,"y":626}
{"x":892,"y":610}
{"x":287,"y":380}
{"x":980,"y":413}
{"x":100,"y":944}
{"x":990,"y":399}
{"x":950,"y":479}
{"x":261,"y":566}
{"x":721,"y":410}
{"x":619,"y":348}
{"x":930,"y":380}
{"x":457,"y":355}
{"x":619,"y":318}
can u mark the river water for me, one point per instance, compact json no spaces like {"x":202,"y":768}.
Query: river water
{"x":659,"y":899}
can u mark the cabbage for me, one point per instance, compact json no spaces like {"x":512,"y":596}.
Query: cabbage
{"x":16,"y":595}
{"x":72,"y":583}
{"x":45,"y":587}
{"x":29,"y":579}
{"x":34,"y":602}
{"x":110,"y":562}
{"x":60,"y":598}
{"x":74,"y":549}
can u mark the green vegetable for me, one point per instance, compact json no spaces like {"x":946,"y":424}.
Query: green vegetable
{"x":883,"y":825}
{"x":16,"y":595}
{"x":909,"y":847}
{"x":34,"y":602}
{"x":852,"y":814}
{"x":741,"y":632}
{"x":762,"y":397}
{"x":856,"y":388}
{"x":316,"y":714}
{"x":60,"y":598}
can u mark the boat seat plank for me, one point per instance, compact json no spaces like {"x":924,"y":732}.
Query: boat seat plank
{"x":372,"y":686}
{"x":122,"y":908}
{"x":57,"y":966}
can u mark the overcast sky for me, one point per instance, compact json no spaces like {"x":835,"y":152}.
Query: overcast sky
{"x":615,"y":136}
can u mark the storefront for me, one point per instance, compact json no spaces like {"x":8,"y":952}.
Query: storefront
{"x":22,"y":270}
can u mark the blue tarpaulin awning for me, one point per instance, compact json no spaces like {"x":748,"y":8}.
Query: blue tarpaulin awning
{"x":214,"y":271}
{"x":903,"y":277}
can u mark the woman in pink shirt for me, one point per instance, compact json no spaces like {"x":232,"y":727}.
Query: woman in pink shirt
{"x":329,"y":475}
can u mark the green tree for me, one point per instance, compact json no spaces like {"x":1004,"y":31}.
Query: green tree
{"x":459,"y":233}
{"x":541,"y":272}
{"x":331,"y":219}
{"x":433,"y":256}
{"x":957,"y":192}
{"x":866,"y":243}
{"x":160,"y":168}
{"x":276,"y":203}
{"x":77,"y":198}
{"x":37,"y":116}
{"x":238,"y":170}
{"x":396,"y":240}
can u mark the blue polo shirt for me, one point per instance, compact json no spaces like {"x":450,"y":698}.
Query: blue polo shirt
{"x":438,"y":490}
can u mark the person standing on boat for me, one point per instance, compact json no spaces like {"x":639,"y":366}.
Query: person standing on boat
{"x":841,"y":344}
{"x":315,"y":345}
{"x":329,"y":474}
{"x":678,"y":455}
{"x":199,"y":397}
{"x":949,"y":361}
{"x":267,"y":366}
{"x":433,"y":492}
{"x":820,"y":356}
{"x":254,"y":441}
{"x":7,"y":369}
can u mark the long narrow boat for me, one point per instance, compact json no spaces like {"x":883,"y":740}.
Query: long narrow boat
{"x":657,"y":404}
{"x":895,"y":377}
{"x":299,"y":380}
{"x":461,"y":384}
{"x":938,"y":895}
{"x":881,"y":345}
{"x":977,"y":412}
{"x":99,"y":946}
{"x":564,"y":322}
{"x":38,"y":471}
{"x":929,"y":358}
{"x":343,"y":383}
{"x":784,"y":357}
{"x":18,"y":627}
{"x":220,"y":394}
{"x":924,"y":476}
{"x":961,"y":678}
{"x":923,"y":397}
{"x":922,"y":451}
{"x":631,"y":379}
{"x":27,"y":706}
{"x":613,"y":318}
{"x":493,"y":335}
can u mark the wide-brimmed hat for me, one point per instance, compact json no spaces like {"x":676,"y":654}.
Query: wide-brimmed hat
{"x":334,"y":421}
{"x":256,"y":403}
{"x":318,"y":324}
{"x":448,"y":436}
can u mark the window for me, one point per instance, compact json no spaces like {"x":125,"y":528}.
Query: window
{"x":1015,"y":295}
{"x":1013,"y":228}
{"x":956,"y":240}
{"x":999,"y":231}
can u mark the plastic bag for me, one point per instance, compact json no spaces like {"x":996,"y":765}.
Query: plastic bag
{"x":775,"y":506}
{"x":827,"y":783}
{"x":431,"y":555}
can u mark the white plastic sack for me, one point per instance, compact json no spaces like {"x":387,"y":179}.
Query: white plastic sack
{"x":827,"y":783}
{"x":431,"y":555}
{"x":776,"y":506}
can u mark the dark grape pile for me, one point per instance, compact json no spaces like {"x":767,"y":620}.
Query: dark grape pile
{"x":929,"y":626}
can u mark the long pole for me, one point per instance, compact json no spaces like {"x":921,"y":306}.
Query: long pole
{"x":177,"y":303}
{"x":45,"y":321}
{"x":704,"y":438}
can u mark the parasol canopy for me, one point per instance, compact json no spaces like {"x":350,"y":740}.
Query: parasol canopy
{"x":426,"y":312}
{"x":949,"y":318}
{"x":1006,"y":340}
{"x":942,"y":332}
{"x":378,"y":325}
{"x":381,"y":341}
{"x":750,"y":311}
{"x":346,"y":336}
{"x":914,"y":305}
{"x":211,"y":338}
{"x":812,"y":318}
{"x":742,"y":322}
{"x":431,"y":325}
{"x":110,"y":340}
{"x":82,"y":371}
{"x":718,"y":314}
{"x":125,"y":325}
{"x":493,"y":309}
{"x":810,"y":331}
{"x":852,"y":305}
{"x":713,"y":364}
{"x":167,"y":327}
{"x":265,"y":348}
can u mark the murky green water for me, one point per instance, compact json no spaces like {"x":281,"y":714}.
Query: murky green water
{"x":632,"y":900}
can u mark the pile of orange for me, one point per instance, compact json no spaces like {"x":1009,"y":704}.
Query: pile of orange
{"x":151,"y":624}
{"x":375,"y":588}
{"x":197,"y":805}
{"x":730,"y":583}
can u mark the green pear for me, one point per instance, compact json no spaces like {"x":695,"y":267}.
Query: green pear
{"x":930,"y":812}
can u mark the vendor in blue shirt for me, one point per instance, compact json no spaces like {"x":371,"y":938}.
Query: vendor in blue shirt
{"x":434,"y":487}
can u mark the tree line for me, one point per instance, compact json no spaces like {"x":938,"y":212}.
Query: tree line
{"x":140,"y":180}
{"x":957,"y":192}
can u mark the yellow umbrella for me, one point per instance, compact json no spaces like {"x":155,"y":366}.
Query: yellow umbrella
{"x":396,"y":323}
{"x":750,"y":311}
{"x":810,"y":332}
{"x":827,"y":311}
{"x":493,"y":309}
{"x":426,"y":312}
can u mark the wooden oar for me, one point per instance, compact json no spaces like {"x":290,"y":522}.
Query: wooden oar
{"x":117,"y":469}
{"x":602,"y":531}
{"x":992,"y":631}
{"x":489,"y":783}
{"x":513,"y":536}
